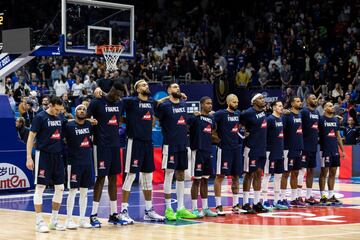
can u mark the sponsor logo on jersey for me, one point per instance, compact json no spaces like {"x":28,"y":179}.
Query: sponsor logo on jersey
{"x":55,"y":135}
{"x":85,"y":143}
{"x":303,"y":158}
{"x":253,"y":163}
{"x":147,"y":116}
{"x":291,"y":162}
{"x":272,"y":165}
{"x":73,"y":178}
{"x":207,"y":129}
{"x":331,"y":133}
{"x":235,"y":129}
{"x":102,"y":165}
{"x":198,"y":167}
{"x":263,"y":124}
{"x":225,"y":165}
{"x":42,"y":173}
{"x":315,"y":126}
{"x":181,"y":121}
{"x":299,"y":130}
{"x":281,"y":134}
{"x":135,"y":163}
{"x":327,"y":159}
{"x":113,"y":121}
{"x":172,"y":159}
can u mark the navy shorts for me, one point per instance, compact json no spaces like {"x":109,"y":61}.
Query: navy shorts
{"x":107,"y":161}
{"x":329,"y":161}
{"x":292,"y":161}
{"x":309,"y":159}
{"x":80,"y":176}
{"x":273,"y":165}
{"x":174,"y":158}
{"x":139,"y":156}
{"x":201,"y":163}
{"x":49,"y":168}
{"x":253,"y":162}
{"x":228,"y":162}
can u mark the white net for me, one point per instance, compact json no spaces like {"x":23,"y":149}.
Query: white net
{"x":111,"y":54}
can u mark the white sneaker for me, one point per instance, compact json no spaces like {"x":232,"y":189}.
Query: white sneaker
{"x":151,"y":215}
{"x":56,"y":225}
{"x":41,"y":227}
{"x":84,"y":224}
{"x":124,"y":215}
{"x":70,"y":224}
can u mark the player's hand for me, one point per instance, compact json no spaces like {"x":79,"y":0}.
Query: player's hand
{"x":98,"y":92}
{"x":247,"y":134}
{"x":286,"y":111}
{"x":30,"y":163}
{"x":343,"y":155}
{"x":211,"y":113}
{"x":183,"y":96}
{"x":197,"y":113}
{"x":93,"y":121}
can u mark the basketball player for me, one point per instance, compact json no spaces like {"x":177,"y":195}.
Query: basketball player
{"x":201,"y":130}
{"x":228,"y":161}
{"x":330,"y":139}
{"x":254,"y":120}
{"x":78,"y":135}
{"x":49,"y":166}
{"x":293,"y":145}
{"x":310,"y":118}
{"x":274,"y":156}
{"x":107,"y":111}
{"x":139,"y":153}
{"x":173,"y":119}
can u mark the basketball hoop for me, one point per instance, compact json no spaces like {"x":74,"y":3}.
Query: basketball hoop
{"x":111,"y":54}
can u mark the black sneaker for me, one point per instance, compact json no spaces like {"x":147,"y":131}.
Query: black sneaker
{"x":324,"y":201}
{"x":334,"y":201}
{"x":248,"y":209}
{"x":236,"y":209}
{"x":259,"y":208}
{"x":115,"y":219}
{"x":94,"y":221}
{"x":219,"y":210}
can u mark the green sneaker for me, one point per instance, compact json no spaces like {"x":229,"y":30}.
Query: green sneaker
{"x":184,"y":213}
{"x":209,"y":213}
{"x":197,"y":213}
{"x":170,"y":215}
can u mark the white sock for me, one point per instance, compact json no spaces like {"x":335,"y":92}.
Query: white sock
{"x":308,"y":193}
{"x":124,"y":206}
{"x":218,"y":201}
{"x":194,"y":204}
{"x":148,"y":205}
{"x":70,"y":201}
{"x":331,"y":193}
{"x":95,"y":207}
{"x":235,"y":199}
{"x":168,"y":203}
{"x":299,"y":192}
{"x":277,"y":180}
{"x":256,"y":197}
{"x":293,"y":194}
{"x":54,"y":214}
{"x":204,"y":202}
{"x":113,"y":207}
{"x":38,"y":217}
{"x":245,"y":197}
{"x":323,"y":193}
{"x":301,"y":175}
{"x":283,"y":194}
{"x":180,"y":193}
{"x":83,"y":202}
{"x":264,"y":186}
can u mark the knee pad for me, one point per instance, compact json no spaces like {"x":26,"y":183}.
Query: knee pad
{"x":39,"y":190}
{"x":129,"y":179}
{"x":146,"y":181}
{"x":58,"y":194}
{"x":169,"y":174}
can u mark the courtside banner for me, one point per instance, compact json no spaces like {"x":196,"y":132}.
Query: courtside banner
{"x":346,"y":166}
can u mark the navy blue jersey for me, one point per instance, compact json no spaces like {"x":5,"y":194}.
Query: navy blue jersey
{"x":78,"y":139}
{"x":275,"y":137}
{"x":173,"y":117}
{"x":139,"y":117}
{"x":293,"y":135}
{"x":106,"y":132}
{"x":327,"y":132}
{"x":49,"y":134}
{"x":256,"y":125}
{"x":227,"y":127}
{"x":310,"y":122}
{"x":200,"y":132}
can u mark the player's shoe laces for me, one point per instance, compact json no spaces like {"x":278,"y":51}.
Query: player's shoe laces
{"x":324,"y":201}
{"x":197,"y":213}
{"x":170,"y":214}
{"x":70,"y":224}
{"x":259,"y":208}
{"x":56,"y":225}
{"x":236,"y":209}
{"x":220,"y":211}
{"x":41,"y":227}
{"x":312,"y":201}
{"x":151,"y":215}
{"x":248,"y":209}
{"x":84,"y":224}
{"x":334,"y":201}
{"x":115,"y":219}
{"x":124,"y":215}
{"x":286,"y":203}
{"x":209,"y":213}
{"x":279,"y":206}
{"x":184,"y":213}
{"x":268,"y":205}
{"x":94,"y":221}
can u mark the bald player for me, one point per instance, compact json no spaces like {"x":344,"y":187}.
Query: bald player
{"x":228,"y":161}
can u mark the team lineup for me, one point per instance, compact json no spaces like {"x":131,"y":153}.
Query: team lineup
{"x":283,"y":144}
